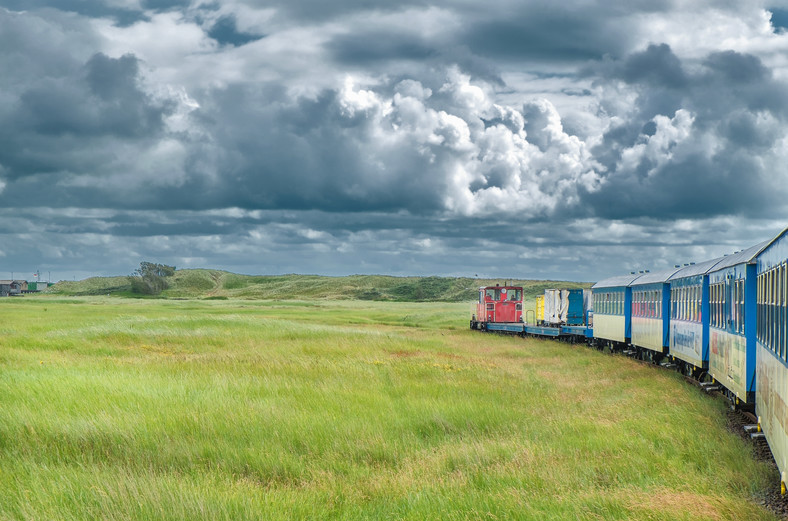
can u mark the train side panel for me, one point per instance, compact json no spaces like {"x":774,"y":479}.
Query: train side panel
{"x":689,"y":314}
{"x":647,"y":332}
{"x":770,"y":405}
{"x":732,"y":329}
{"x":686,"y":341}
{"x":728,"y":361}
{"x":609,"y":327}
{"x":651,"y":311}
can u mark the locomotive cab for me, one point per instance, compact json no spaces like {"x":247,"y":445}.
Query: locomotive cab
{"x":499,"y":304}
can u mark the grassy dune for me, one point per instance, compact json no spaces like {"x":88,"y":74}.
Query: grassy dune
{"x":221,"y":284}
{"x":139,"y":409}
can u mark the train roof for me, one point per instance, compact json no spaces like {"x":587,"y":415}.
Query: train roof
{"x":619,"y":281}
{"x":656,"y":277}
{"x":700,"y":268}
{"x":747,"y":256}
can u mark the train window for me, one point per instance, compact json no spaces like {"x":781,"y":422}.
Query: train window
{"x":759,"y":300}
{"x":680,"y":303}
{"x":773,"y":320}
{"x":692,"y":307}
{"x":718,"y":305}
{"x":739,"y":306}
{"x":770,"y":308}
{"x":682,"y":314}
{"x":736,"y":309}
{"x":781,"y":314}
{"x":721,"y":305}
{"x":775,"y":310}
{"x":784,"y":310}
{"x":778,"y":297}
{"x":651,"y":303}
{"x":712,"y":303}
{"x":723,"y":319}
{"x":691,"y":303}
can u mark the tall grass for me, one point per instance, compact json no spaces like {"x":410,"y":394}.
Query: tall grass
{"x":125,"y":409}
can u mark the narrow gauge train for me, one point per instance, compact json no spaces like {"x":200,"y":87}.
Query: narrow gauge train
{"x":723,"y":322}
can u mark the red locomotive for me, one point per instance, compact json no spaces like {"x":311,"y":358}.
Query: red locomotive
{"x":498,"y":304}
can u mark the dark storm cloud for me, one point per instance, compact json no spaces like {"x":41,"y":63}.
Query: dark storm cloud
{"x":165,"y":5}
{"x":373,"y":46}
{"x":551,"y":38}
{"x":657,"y":66}
{"x":100,"y":99}
{"x":319,"y":10}
{"x":709,"y":161}
{"x":67,"y":121}
{"x":309,"y":155}
{"x":90,"y":8}
{"x":225,"y":31}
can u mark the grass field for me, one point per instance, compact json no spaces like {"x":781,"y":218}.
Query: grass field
{"x":233,"y":409}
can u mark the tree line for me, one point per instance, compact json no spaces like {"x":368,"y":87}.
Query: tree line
{"x":151,"y":278}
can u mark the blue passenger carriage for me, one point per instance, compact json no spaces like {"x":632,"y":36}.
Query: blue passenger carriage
{"x":650,"y":316}
{"x":689,"y":317}
{"x":613,"y":310}
{"x":771,"y":345}
{"x":732,"y":323}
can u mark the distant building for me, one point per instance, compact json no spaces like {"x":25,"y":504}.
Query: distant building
{"x":10,"y":288}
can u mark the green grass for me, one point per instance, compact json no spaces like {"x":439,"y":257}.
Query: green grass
{"x":216,"y":284}
{"x":239,"y":409}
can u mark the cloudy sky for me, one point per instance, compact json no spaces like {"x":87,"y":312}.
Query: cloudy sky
{"x":531,"y":138}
